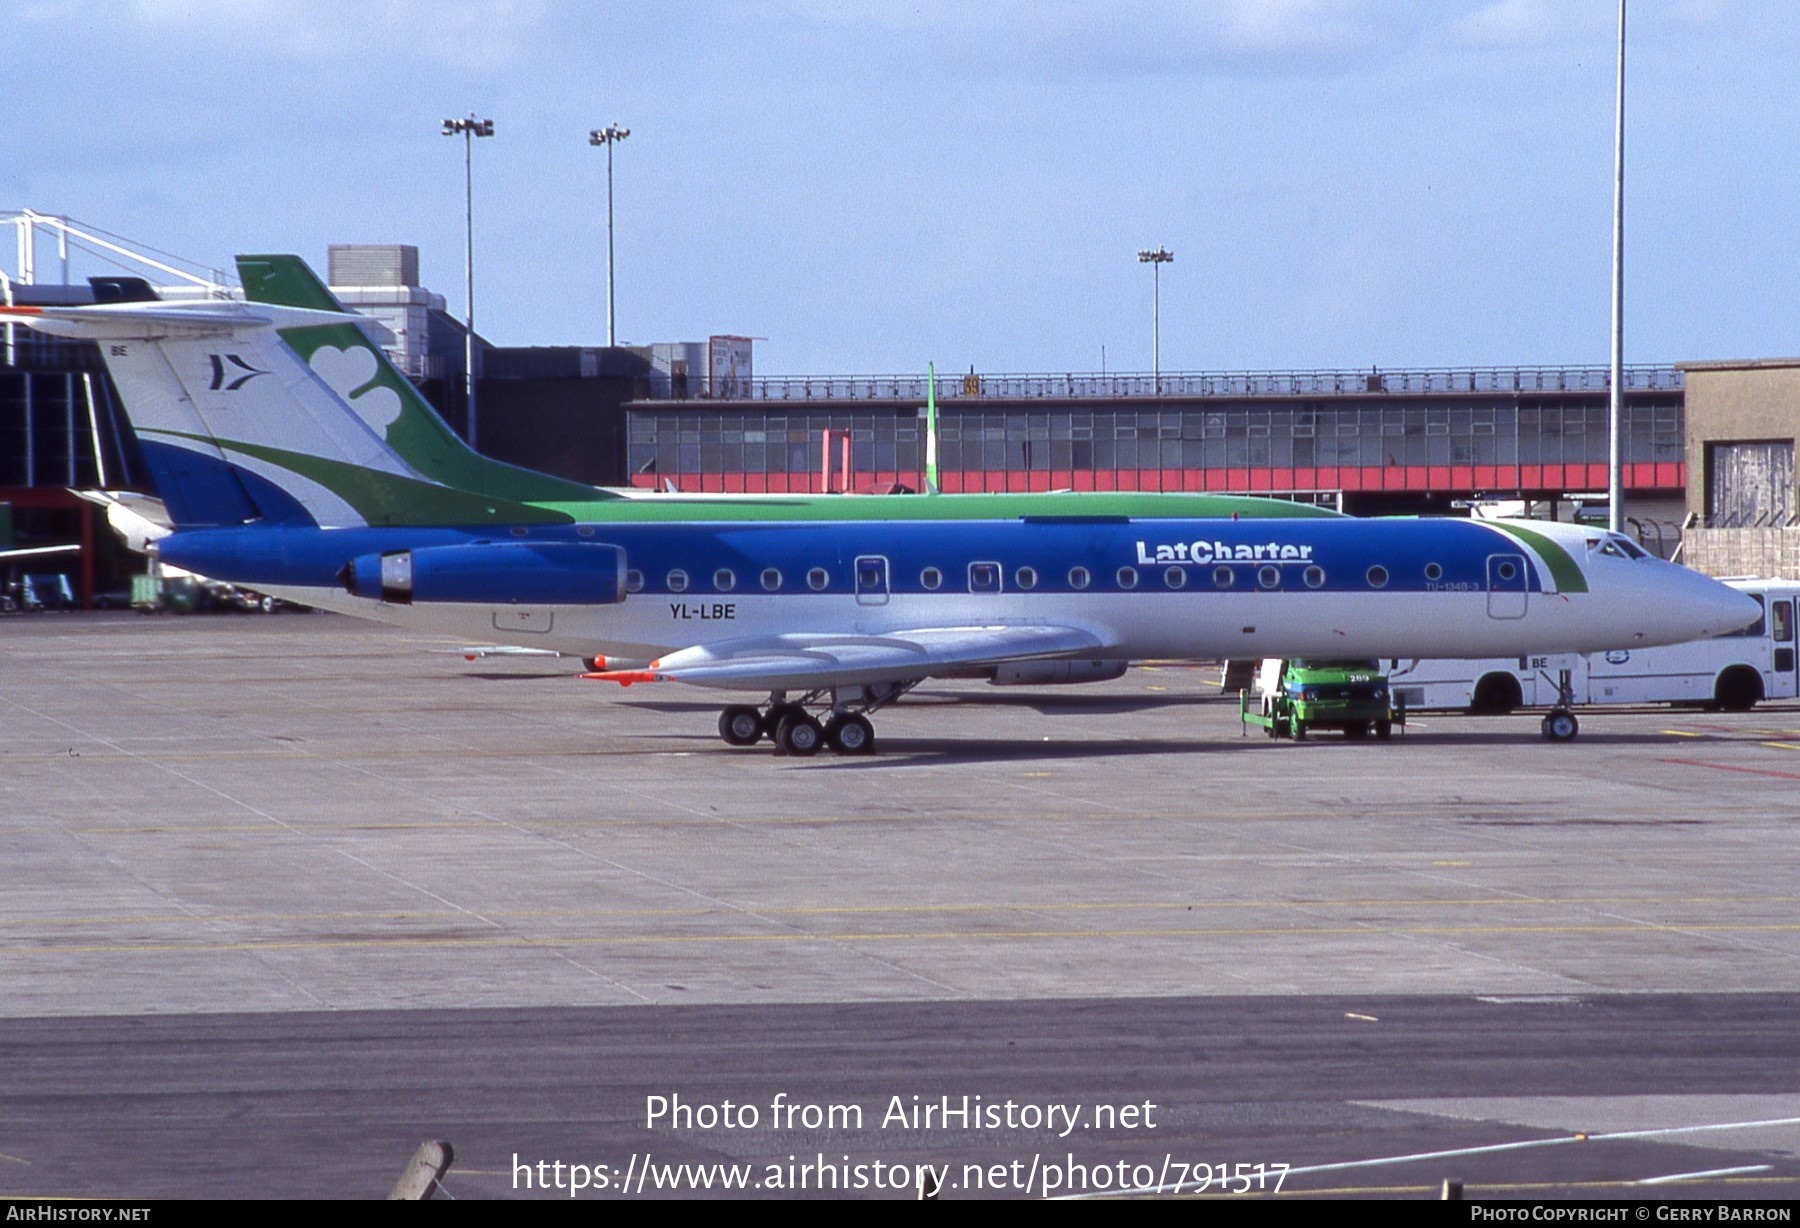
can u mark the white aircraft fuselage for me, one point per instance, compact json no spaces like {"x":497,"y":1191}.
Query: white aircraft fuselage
{"x":297,"y":460}
{"x":1134,"y":589}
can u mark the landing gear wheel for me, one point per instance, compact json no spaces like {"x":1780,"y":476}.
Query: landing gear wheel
{"x":799,"y":734}
{"x":850,"y":734}
{"x":1561,"y":726}
{"x":741,"y":725}
{"x":1384,"y":730}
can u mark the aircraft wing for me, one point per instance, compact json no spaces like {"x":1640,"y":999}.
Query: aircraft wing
{"x":802,"y":662}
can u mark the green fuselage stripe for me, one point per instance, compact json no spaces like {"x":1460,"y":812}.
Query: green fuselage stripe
{"x":1563,"y":569}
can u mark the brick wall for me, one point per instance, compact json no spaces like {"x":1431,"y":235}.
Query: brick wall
{"x":1743,"y":552}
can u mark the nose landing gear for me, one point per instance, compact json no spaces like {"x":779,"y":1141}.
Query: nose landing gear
{"x":1561,"y":725}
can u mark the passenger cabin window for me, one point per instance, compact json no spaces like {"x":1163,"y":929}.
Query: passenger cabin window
{"x":1025,"y":577}
{"x":724,"y":579}
{"x":1127,"y":577}
{"x":1175,"y":577}
{"x":1079,"y":578}
{"x":931,"y":579}
{"x":817,"y":579}
{"x":1378,"y":576}
{"x":634,"y":581}
{"x":1315,"y":576}
{"x":1434,"y":572}
{"x":1224,"y":577}
{"x":984,"y":577}
{"x":1269,"y":577}
{"x":678,"y":581}
{"x":771,"y":579}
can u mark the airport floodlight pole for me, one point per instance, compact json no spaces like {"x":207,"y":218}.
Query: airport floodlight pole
{"x":1615,"y":471}
{"x":1156,"y":259}
{"x":609,"y":136}
{"x":469,"y":129}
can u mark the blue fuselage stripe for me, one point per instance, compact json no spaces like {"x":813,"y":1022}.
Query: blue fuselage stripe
{"x":1210,"y":556}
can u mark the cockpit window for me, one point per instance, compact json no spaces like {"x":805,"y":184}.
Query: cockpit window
{"x":1618,"y":546}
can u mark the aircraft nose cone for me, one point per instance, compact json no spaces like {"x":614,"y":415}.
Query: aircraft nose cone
{"x":1712,"y":608}
{"x":1734,"y":611}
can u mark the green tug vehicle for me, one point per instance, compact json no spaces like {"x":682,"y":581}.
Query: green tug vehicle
{"x":1298,"y":697}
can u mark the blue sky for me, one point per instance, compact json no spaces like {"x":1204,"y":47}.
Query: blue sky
{"x":874,"y":186}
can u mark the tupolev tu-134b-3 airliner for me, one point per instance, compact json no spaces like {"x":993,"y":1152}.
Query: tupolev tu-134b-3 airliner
{"x":295,"y":459}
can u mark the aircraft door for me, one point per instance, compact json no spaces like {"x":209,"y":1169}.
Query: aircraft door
{"x":1506,"y":578}
{"x":871,"y":580}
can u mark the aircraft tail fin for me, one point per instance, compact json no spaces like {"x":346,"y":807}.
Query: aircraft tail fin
{"x":285,"y":281}
{"x":413,"y":428}
{"x":290,"y":411}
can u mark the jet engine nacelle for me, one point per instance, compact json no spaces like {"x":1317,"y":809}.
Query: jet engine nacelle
{"x":1054,"y":673}
{"x":493,"y":573}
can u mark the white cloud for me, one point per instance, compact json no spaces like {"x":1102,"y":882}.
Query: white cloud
{"x":1115,"y":39}
{"x":1511,"y":23}
{"x":1701,"y":12}
{"x":470,"y":34}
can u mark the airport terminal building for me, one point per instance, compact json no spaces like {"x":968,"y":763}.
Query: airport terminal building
{"x":695,"y":415}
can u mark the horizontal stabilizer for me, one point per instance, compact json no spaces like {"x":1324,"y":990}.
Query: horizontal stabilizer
{"x":157,"y":321}
{"x":32,"y":552}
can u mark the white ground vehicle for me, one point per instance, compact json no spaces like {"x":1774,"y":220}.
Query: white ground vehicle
{"x":1734,"y":672}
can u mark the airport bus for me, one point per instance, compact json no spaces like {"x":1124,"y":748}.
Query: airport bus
{"x":1733,"y":672}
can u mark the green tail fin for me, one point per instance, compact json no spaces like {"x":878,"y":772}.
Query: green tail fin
{"x":284,"y":281}
{"x":412,"y":428}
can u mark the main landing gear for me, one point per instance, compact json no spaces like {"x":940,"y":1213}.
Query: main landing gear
{"x":845,"y":725}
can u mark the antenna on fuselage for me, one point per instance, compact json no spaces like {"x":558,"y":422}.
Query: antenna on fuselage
{"x":931,"y":434}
